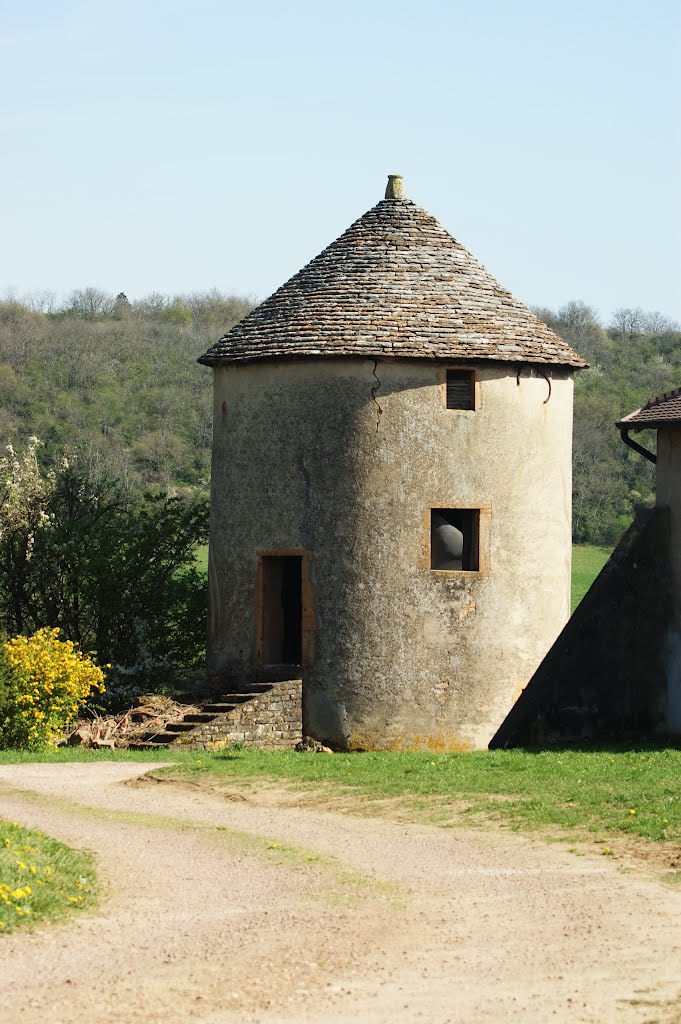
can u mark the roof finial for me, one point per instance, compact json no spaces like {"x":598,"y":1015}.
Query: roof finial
{"x":395,"y":187}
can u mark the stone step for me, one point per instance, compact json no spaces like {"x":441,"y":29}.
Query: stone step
{"x":249,"y":689}
{"x":159,"y":739}
{"x":234,"y":698}
{"x":221,"y":705}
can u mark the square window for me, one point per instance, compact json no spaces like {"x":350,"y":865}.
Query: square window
{"x":455,"y":539}
{"x":460,"y":389}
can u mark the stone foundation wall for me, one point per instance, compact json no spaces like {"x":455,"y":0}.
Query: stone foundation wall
{"x":271,"y":721}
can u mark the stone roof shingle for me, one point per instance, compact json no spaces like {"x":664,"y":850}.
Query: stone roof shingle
{"x":657,"y":411}
{"x":395,"y":284}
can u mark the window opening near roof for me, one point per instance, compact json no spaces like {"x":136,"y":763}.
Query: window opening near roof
{"x":455,"y":539}
{"x":460,"y":389}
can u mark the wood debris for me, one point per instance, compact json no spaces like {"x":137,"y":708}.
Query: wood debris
{"x":151,"y":714}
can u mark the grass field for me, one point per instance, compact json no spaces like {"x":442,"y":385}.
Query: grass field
{"x":40,"y":878}
{"x":587,"y":562}
{"x":606,"y":791}
{"x":631,"y":791}
{"x":202,"y":558}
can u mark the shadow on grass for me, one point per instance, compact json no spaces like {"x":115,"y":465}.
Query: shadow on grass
{"x":622,"y":746}
{"x":616,"y":746}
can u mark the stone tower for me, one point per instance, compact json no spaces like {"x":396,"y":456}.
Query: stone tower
{"x":391,"y":482}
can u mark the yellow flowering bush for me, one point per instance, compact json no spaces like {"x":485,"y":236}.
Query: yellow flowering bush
{"x":44,"y":682}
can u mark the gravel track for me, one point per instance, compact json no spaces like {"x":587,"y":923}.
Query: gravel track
{"x":208,"y":916}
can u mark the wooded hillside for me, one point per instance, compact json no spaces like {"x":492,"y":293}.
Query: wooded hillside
{"x":118,"y":383}
{"x":637,"y":356}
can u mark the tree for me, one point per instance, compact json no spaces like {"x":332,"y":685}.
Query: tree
{"x":90,"y":303}
{"x":108,"y":388}
{"x":114,"y":571}
{"x":25,"y":495}
{"x":626,"y":323}
{"x":177,"y":313}
{"x":122,"y":307}
{"x":611,"y":484}
{"x":576,"y":314}
{"x":40,"y":300}
{"x":579,"y":325}
{"x":658,"y":325}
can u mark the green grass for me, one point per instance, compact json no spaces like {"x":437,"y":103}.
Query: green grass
{"x":619,"y":790}
{"x":594,"y":791}
{"x":40,"y":878}
{"x":587,"y":562}
{"x":201,"y":558}
{"x":630,"y":791}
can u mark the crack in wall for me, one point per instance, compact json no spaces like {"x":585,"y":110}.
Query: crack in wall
{"x":374,"y":391}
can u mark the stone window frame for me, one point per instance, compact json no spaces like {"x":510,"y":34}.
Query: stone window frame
{"x":476,"y":390}
{"x":309,"y":619}
{"x":484,"y":510}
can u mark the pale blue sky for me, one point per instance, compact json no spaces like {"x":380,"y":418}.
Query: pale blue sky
{"x":176,"y":146}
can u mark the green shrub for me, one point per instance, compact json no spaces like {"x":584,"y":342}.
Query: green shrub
{"x":114,"y":570}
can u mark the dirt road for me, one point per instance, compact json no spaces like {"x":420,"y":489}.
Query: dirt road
{"x":224,"y":911}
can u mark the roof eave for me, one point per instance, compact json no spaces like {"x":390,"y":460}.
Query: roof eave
{"x":515,"y":359}
{"x":627,"y":424}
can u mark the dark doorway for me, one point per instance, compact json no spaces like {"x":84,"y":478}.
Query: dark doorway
{"x":282,"y":610}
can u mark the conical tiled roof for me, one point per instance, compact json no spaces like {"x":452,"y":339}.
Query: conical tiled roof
{"x":395,"y":284}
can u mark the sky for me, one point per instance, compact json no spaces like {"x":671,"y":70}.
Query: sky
{"x":174,"y":146}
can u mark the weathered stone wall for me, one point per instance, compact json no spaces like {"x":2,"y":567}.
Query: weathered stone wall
{"x":271,"y":720}
{"x":345,"y":458}
{"x":605,"y":677}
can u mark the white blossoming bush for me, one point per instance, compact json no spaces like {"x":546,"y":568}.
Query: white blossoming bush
{"x":24,"y":496}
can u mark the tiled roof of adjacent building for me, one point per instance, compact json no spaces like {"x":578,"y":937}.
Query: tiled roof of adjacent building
{"x":656,"y":412}
{"x":395,"y":284}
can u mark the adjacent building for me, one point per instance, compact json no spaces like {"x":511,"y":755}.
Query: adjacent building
{"x":663,"y":414}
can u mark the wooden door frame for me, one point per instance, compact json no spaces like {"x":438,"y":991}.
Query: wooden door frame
{"x":308,"y":617}
{"x":482,"y":536}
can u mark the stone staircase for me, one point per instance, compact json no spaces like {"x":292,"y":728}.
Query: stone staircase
{"x":268,"y":715}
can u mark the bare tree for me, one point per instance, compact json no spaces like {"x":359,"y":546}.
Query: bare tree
{"x":40,"y":300}
{"x":628,"y":322}
{"x":657,"y":324}
{"x":90,"y":303}
{"x":578,"y":314}
{"x":213,"y":310}
{"x":579,"y":325}
{"x":151,"y":305}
